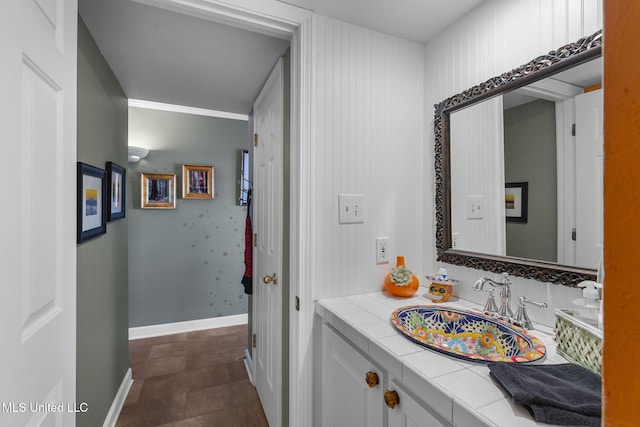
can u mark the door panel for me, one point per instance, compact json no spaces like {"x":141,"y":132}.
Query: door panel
{"x":589,"y":178}
{"x":347,"y":399}
{"x":41,"y":143}
{"x":267,"y":301}
{"x":38,"y":249}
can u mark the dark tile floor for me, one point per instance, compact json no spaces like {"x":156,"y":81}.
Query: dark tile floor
{"x":192,"y":379}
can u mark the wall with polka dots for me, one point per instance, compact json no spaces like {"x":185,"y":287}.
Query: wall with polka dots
{"x":186,"y":263}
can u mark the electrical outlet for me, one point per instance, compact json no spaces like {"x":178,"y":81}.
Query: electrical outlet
{"x":382,"y":250}
{"x":455,"y":239}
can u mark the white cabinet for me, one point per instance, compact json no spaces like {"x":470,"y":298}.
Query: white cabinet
{"x":358,"y":393}
{"x":350,"y":395}
{"x":410,"y":412}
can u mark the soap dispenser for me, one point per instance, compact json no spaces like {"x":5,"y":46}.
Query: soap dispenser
{"x":589,"y":305}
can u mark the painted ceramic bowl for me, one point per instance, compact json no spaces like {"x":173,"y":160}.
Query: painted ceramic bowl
{"x":468,"y":335}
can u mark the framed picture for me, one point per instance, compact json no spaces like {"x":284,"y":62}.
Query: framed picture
{"x":197,"y":182}
{"x":515,"y":201}
{"x":92,"y":209}
{"x":158,"y":190}
{"x":116,"y":187}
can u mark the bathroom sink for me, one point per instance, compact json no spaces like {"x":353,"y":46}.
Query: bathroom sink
{"x":467,"y":335}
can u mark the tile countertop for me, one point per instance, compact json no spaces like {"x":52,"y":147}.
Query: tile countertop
{"x":461,"y":392}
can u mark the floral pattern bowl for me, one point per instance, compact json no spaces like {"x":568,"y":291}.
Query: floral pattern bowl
{"x":467,"y":335}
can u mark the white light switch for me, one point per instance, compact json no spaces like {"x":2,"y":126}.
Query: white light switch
{"x":475,"y":207}
{"x":351,"y":208}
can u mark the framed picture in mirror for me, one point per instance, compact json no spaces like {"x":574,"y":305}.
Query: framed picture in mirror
{"x":516,"y":201}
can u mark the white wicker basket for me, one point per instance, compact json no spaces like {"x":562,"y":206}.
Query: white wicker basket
{"x":578,"y":341}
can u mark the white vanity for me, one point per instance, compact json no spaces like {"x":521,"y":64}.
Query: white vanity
{"x":358,"y":343}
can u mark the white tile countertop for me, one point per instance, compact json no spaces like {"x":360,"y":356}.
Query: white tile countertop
{"x":461,"y":392}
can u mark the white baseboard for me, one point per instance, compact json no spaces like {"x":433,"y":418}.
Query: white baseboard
{"x":118,"y":402}
{"x":188,"y":326}
{"x":248,"y":364}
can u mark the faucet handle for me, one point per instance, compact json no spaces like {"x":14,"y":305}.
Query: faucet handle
{"x":490,"y":307}
{"x":521,"y":318}
{"x":505,"y":278}
{"x":522,"y":300}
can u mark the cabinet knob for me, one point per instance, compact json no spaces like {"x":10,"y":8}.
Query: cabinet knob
{"x":372,"y":379}
{"x":391,"y":398}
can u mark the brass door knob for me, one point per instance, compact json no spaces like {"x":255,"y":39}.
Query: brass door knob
{"x":391,"y":398}
{"x":372,"y":379}
{"x":268,"y":279}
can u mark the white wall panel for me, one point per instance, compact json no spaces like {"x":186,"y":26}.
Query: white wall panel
{"x":477,"y":169}
{"x":496,"y":37}
{"x":367,"y":138}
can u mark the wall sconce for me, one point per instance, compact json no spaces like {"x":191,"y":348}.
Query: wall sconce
{"x":137,"y":153}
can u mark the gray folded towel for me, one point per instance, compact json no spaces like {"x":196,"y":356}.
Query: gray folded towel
{"x":565,"y":394}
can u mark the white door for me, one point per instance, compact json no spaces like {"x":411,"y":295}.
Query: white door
{"x":267,"y":289}
{"x":37,"y":219}
{"x":589,"y":178}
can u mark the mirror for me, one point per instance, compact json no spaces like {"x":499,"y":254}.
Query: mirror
{"x":244,"y":183}
{"x":510,"y":183}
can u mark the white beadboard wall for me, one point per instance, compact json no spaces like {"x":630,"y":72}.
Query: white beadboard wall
{"x":477,"y":169}
{"x":498,"y":36}
{"x":367,"y":137}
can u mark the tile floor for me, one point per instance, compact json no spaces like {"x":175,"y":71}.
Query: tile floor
{"x":192,"y":379}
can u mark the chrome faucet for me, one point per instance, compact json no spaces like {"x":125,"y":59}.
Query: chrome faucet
{"x":504,"y":311}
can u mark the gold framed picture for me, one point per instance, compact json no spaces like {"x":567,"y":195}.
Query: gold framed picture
{"x":158,"y":190}
{"x":197,"y":182}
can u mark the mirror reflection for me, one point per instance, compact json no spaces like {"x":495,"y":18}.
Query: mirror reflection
{"x":526,"y":171}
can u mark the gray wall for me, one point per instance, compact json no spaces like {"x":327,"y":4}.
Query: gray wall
{"x":102,"y":307}
{"x":530,"y":156}
{"x":186,"y":263}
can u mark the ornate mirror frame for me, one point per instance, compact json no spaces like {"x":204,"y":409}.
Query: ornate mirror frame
{"x":543,"y":66}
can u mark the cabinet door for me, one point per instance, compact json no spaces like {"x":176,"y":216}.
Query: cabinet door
{"x":347,"y":398}
{"x":409,"y":412}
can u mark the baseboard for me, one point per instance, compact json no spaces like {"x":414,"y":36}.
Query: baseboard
{"x":118,"y":402}
{"x":188,"y":326}
{"x":248,"y":364}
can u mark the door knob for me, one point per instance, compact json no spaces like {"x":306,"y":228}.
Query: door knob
{"x":268,"y":279}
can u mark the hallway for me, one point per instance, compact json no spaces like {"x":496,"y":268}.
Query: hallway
{"x":191,"y":379}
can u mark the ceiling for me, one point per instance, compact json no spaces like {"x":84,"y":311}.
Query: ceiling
{"x":162,"y":56}
{"x":418,"y":20}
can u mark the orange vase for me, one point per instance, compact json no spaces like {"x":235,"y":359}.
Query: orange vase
{"x":407,"y":290}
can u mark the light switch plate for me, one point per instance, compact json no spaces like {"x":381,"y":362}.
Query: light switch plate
{"x":351,"y":208}
{"x":475,"y":207}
